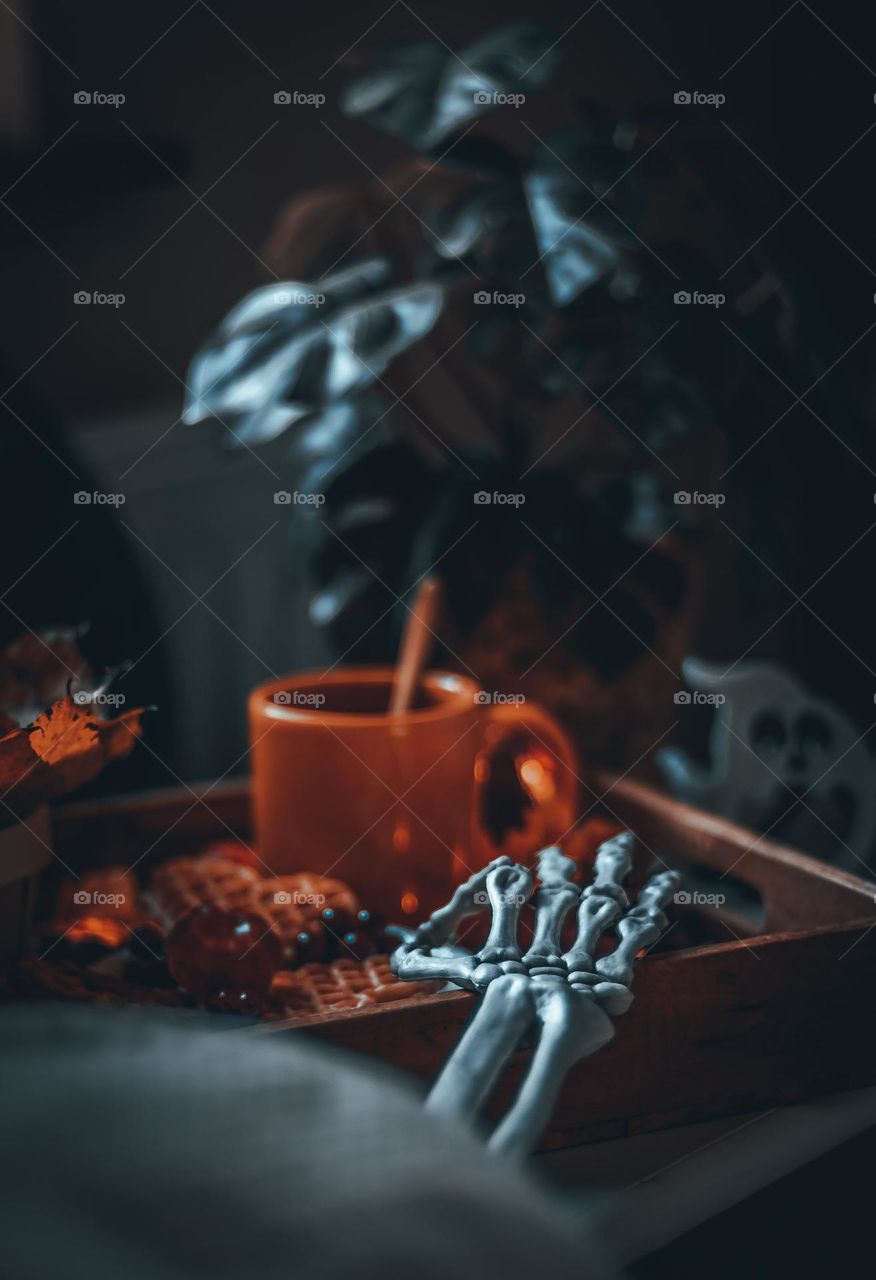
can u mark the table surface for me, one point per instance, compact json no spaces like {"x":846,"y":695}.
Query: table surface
{"x":644,"y":1192}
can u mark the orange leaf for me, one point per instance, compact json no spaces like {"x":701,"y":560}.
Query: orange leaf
{"x":62,"y":731}
{"x":64,"y":748}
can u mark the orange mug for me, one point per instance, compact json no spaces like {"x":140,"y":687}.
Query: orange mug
{"x":395,"y":804}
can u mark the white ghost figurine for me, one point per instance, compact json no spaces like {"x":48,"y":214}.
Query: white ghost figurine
{"x":783,"y":762}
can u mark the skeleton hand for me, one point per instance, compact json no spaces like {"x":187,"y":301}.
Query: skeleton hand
{"x":566,"y":996}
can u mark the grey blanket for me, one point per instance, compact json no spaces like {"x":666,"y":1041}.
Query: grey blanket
{"x":142,"y":1145}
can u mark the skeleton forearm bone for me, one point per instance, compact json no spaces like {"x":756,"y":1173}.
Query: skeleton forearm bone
{"x":570,"y":1028}
{"x":489,"y":1039}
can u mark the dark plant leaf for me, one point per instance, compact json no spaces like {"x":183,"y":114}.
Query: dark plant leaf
{"x":329,"y":604}
{"x":476,"y":154}
{"x":342,"y":437}
{"x":337,"y":437}
{"x":398,"y":519}
{"x":290,"y":350}
{"x":358,"y":516}
{"x":583,"y":204}
{"x":575,"y":255}
{"x":583,"y":348}
{"x":376,"y":499}
{"x":652,"y":512}
{"x":464,"y":225}
{"x":658,"y":405}
{"x":424,"y":92}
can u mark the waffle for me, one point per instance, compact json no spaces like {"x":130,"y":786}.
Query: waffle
{"x":293,"y":903}
{"x":182,"y":883}
{"x":308,"y":891}
{"x":289,"y":903}
{"x":346,"y":984}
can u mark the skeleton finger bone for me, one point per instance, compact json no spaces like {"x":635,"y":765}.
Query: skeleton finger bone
{"x":639,"y":928}
{"x":507,"y":889}
{"x":613,"y":862}
{"x":466,"y":901}
{"x":555,"y":897}
{"x":602,"y":901}
{"x":414,"y":964}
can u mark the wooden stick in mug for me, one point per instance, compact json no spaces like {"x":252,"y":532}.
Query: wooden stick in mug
{"x":416,"y":645}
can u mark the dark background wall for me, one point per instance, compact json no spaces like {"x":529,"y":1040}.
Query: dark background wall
{"x":203,"y":96}
{"x":107,"y":199}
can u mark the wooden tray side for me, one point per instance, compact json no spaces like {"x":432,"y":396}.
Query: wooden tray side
{"x":783,"y":877}
{"x":714,"y":1030}
{"x":160,"y":824}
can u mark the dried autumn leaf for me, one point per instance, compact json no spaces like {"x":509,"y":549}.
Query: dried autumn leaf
{"x":64,"y":748}
{"x":62,"y":732}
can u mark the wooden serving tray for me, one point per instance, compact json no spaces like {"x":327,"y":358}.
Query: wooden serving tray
{"x":758,"y":1016}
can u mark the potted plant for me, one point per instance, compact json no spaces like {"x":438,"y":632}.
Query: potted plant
{"x":481,"y":363}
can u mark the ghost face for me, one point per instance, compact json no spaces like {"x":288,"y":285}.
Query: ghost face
{"x":785,"y":763}
{"x":801,"y":749}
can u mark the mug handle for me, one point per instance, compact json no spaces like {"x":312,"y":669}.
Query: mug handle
{"x":553,"y":786}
